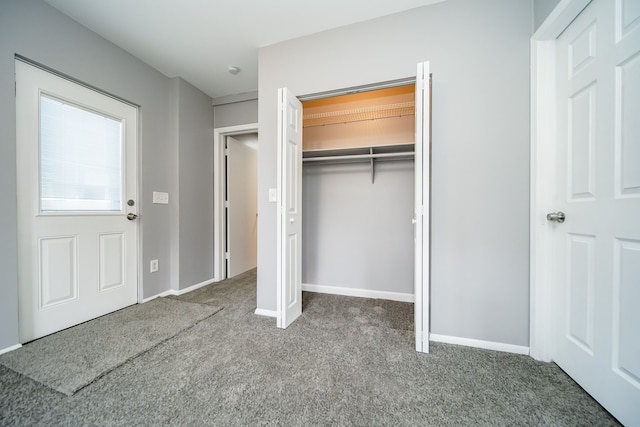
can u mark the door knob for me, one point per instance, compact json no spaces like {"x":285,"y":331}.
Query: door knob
{"x":558,"y":217}
{"x":131,"y":216}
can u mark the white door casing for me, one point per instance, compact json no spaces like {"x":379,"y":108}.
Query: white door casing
{"x":242,"y":198}
{"x":289,"y":190}
{"x":543,"y":176}
{"x":589,"y":170}
{"x":422,"y":206}
{"x":73,"y":266}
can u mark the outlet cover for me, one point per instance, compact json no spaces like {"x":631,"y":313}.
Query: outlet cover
{"x":153,"y":265}
{"x":160,"y":197}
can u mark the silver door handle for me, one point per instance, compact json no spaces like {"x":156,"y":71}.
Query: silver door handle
{"x":131,"y":216}
{"x":558,"y":217}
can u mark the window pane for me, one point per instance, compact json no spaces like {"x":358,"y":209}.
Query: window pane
{"x":80,"y":159}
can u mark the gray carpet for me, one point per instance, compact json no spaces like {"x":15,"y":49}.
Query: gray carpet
{"x":70,"y":359}
{"x":346,"y":361}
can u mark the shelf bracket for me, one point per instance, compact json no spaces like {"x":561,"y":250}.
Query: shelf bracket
{"x":372,"y":167}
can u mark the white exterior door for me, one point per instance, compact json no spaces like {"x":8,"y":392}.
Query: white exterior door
{"x":289,"y":270}
{"x":76,"y":162}
{"x":242,"y":207}
{"x":422,"y":205}
{"x":597,"y":247}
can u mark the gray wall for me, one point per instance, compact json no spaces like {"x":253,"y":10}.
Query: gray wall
{"x":35,"y":30}
{"x":195,"y":184}
{"x":357,"y":234}
{"x":542,"y":9}
{"x":237,"y":113}
{"x":479,"y":53}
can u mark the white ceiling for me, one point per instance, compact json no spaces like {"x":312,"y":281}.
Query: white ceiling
{"x":199,"y":39}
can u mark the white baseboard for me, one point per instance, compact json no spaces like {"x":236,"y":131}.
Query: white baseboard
{"x":193,"y":287}
{"x":362,"y":293}
{"x":8,"y":349}
{"x":487,"y":345}
{"x":268,"y":313}
{"x":179,"y":292}
{"x":160,"y":295}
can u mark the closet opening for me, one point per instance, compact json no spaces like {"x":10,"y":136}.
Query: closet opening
{"x":334,"y":233}
{"x":358,"y":189}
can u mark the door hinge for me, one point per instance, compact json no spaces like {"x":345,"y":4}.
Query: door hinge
{"x":420,"y":210}
{"x":226,"y":151}
{"x":226,"y":255}
{"x":226,"y":203}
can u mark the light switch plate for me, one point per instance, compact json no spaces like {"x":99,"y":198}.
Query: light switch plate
{"x":273,"y":195}
{"x":159,"y":197}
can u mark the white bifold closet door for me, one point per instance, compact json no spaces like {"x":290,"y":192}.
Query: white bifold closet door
{"x":289,"y":248}
{"x":422,"y":206}
{"x":289,"y":255}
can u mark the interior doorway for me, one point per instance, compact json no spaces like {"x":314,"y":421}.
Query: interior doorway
{"x":243,"y":136}
{"x":241,"y":203}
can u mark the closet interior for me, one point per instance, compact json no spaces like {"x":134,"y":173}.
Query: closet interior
{"x":358,"y":193}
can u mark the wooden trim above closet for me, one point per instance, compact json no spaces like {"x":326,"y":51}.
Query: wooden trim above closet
{"x":360,"y":120}
{"x":378,"y":104}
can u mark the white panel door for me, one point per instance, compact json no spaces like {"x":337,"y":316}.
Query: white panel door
{"x":598,"y":179}
{"x":242,"y":211}
{"x":422,"y":205}
{"x":289,"y":269}
{"x":76,"y":162}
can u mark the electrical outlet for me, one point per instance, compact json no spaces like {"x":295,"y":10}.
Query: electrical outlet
{"x":273,"y":195}
{"x":160,"y":197}
{"x":153,"y":265}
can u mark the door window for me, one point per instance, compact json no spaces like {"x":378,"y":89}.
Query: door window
{"x":80,"y":159}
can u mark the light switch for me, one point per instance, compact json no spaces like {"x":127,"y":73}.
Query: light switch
{"x":273,"y":195}
{"x":159,"y":197}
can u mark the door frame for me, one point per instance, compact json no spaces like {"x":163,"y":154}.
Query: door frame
{"x":219,"y":215}
{"x":543,"y":309}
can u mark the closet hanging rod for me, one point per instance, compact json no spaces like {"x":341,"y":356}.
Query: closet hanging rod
{"x":359,"y":156}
